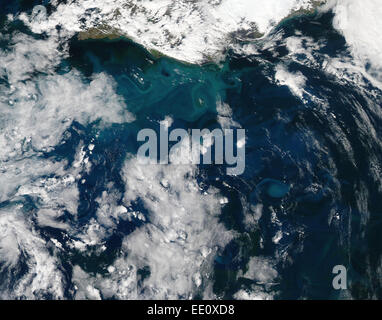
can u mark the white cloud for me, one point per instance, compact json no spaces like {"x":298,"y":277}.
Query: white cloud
{"x":178,"y":242}
{"x":42,"y":106}
{"x":183,"y":235}
{"x":360,"y":23}
{"x":185,"y":30}
{"x":261,"y":269}
{"x":19,"y":241}
{"x":37,"y":106}
{"x":295,"y":81}
{"x":255,"y":294}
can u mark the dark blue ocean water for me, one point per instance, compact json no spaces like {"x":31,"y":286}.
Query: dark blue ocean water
{"x":327,"y":201}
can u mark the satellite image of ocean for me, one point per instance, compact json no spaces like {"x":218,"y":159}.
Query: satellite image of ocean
{"x":83,"y":218}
